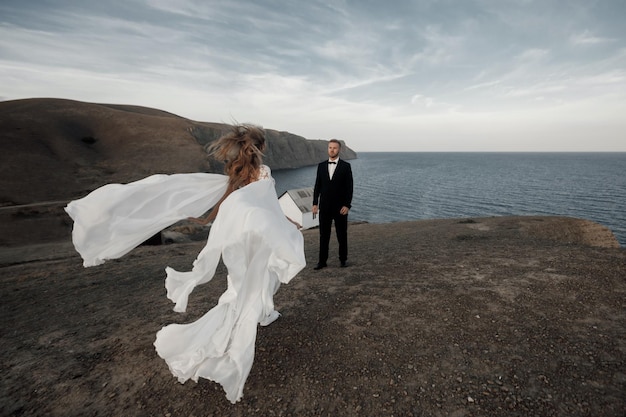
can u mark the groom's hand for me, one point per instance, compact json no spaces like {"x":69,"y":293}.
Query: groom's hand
{"x":344,"y":210}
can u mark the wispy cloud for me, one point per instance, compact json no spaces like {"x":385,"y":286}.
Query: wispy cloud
{"x":325,"y":69}
{"x":610,"y":77}
{"x":482,"y":86}
{"x":587,"y":38}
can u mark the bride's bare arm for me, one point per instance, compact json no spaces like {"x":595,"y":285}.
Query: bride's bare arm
{"x":298,"y":225}
{"x":199,"y":220}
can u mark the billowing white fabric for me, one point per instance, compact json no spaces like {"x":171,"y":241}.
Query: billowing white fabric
{"x":260,"y":249}
{"x":112,"y":220}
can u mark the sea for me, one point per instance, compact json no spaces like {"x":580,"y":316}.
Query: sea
{"x":399,"y":186}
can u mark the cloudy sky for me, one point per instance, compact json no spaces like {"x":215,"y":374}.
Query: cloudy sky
{"x":421,"y":75}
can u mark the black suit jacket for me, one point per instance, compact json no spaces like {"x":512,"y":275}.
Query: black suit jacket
{"x":333,"y":194}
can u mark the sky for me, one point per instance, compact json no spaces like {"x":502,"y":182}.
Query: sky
{"x":393,"y":75}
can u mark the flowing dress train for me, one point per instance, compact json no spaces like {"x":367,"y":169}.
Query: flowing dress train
{"x":259,"y":246}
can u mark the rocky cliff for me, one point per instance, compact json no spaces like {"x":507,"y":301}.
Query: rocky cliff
{"x":285,"y":150}
{"x":53,"y":149}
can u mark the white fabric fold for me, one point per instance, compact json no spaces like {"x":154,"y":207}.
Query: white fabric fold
{"x":261,"y":249}
{"x":112,"y":220}
{"x":259,"y":246}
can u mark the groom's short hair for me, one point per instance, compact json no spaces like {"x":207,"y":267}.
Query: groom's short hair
{"x":335,"y":141}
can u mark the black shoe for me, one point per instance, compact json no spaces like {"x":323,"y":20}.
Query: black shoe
{"x":344,"y":264}
{"x":319,"y":266}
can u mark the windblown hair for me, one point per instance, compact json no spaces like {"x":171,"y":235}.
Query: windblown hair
{"x":241,"y":151}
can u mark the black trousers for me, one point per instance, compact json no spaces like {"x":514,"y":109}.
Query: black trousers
{"x":341,"y":228}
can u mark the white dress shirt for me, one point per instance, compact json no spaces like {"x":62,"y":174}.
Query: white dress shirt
{"x":332,"y":165}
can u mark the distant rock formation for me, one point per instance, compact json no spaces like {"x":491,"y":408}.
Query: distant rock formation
{"x":55,"y":149}
{"x":285,"y":150}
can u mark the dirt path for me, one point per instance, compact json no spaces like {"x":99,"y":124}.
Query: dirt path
{"x":490,"y":317}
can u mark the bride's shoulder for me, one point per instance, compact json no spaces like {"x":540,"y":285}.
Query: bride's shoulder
{"x":265,"y":172}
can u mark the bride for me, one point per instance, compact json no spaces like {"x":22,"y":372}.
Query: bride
{"x":260,"y":247}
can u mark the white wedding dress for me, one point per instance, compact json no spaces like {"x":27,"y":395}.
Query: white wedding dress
{"x":256,"y":242}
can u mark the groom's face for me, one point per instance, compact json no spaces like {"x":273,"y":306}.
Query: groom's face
{"x":333,"y":150}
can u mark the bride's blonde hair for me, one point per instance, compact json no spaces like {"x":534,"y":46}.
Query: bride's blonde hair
{"x":241,"y":151}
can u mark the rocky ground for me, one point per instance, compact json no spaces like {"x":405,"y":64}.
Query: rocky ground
{"x":515,"y":316}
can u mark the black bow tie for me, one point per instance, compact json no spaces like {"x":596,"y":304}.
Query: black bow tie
{"x":332,"y":162}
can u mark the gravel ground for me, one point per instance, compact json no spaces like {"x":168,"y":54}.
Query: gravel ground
{"x":514,"y":316}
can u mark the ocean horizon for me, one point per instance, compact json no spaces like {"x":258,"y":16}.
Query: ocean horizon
{"x":402,"y":186}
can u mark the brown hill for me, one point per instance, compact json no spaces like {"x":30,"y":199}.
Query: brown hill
{"x":54,"y":149}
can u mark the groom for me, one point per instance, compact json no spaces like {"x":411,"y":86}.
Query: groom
{"x":332,"y":197}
